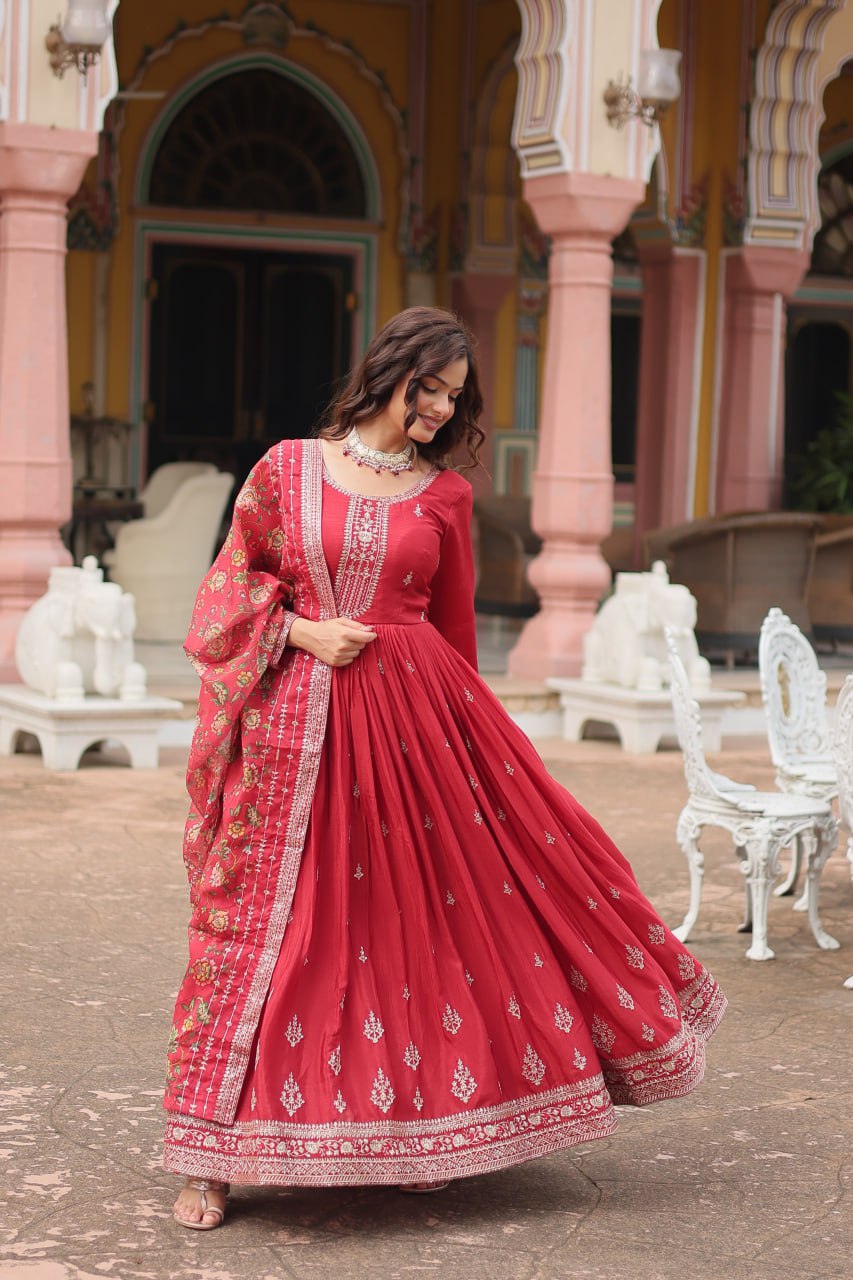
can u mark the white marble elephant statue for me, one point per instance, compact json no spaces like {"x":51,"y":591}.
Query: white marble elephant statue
{"x":78,"y":638}
{"x":626,"y":644}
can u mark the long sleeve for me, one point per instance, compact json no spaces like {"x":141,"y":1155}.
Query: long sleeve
{"x":451,"y":607}
{"x":240,"y":603}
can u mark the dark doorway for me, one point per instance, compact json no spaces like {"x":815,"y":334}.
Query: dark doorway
{"x":624,"y":389}
{"x":818,"y":366}
{"x":246,"y":346}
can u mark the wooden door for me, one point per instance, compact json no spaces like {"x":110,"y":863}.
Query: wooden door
{"x":246,"y":349}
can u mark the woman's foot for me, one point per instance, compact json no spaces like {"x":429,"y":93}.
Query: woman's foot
{"x":422,"y":1188}
{"x":201,"y":1204}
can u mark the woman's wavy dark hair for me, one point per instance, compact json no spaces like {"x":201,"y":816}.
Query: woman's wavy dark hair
{"x":420,"y":342}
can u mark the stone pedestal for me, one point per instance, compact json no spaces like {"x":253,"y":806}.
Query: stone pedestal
{"x":66,"y":729}
{"x":642,"y":718}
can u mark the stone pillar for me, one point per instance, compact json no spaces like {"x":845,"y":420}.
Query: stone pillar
{"x":40,"y":169}
{"x":478,"y":298}
{"x":573,"y":481}
{"x":667,"y":402}
{"x":751,"y":449}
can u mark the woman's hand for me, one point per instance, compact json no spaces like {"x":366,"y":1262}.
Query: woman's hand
{"x":337,"y":642}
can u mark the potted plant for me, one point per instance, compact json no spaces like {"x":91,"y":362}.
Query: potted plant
{"x":822,"y":477}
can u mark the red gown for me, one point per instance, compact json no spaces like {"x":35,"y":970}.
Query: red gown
{"x":469,"y":975}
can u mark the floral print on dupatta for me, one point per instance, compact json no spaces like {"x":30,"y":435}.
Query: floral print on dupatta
{"x":251,"y":772}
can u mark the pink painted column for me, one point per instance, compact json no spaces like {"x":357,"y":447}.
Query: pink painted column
{"x":477,"y":298}
{"x":40,"y":169}
{"x":751,"y":450}
{"x":573,"y":481}
{"x":668,"y":387}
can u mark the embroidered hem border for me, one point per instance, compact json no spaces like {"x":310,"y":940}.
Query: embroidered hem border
{"x":456,"y":1146}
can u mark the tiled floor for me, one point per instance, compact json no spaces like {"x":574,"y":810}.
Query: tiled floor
{"x":750,"y":1178}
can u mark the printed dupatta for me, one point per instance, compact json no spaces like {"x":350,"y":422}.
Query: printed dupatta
{"x":252,"y":770}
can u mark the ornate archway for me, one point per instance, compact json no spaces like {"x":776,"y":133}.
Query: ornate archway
{"x":248,"y":321}
{"x":268,"y":95}
{"x":805,"y":45}
{"x":254,"y":140}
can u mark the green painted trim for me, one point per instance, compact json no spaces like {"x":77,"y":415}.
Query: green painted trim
{"x":628,"y":284}
{"x":826,"y":297}
{"x":290,"y":71}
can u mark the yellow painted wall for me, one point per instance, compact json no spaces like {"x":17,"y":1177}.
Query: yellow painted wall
{"x":718,"y":116}
{"x":837,"y":128}
{"x":763,"y":9}
{"x":504,"y":388}
{"x":446,"y":53}
{"x":496,"y":21}
{"x":377,"y":31}
{"x":498,"y":26}
{"x":712,"y":159}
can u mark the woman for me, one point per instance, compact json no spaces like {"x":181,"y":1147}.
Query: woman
{"x":413,"y":956}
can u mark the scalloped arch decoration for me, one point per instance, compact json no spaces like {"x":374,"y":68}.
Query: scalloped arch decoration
{"x":562,"y":60}
{"x":494,"y":162}
{"x":544,"y":61}
{"x":785,"y":120}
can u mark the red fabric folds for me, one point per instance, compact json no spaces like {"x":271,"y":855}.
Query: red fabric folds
{"x":468,"y":974}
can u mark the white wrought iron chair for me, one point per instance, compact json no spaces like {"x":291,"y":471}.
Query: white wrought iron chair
{"x":793,"y":689}
{"x":761,"y":824}
{"x":842,"y":751}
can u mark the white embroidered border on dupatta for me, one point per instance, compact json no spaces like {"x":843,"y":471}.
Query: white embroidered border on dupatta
{"x":308,"y":682}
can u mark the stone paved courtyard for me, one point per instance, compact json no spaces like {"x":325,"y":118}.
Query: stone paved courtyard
{"x":752,"y":1176}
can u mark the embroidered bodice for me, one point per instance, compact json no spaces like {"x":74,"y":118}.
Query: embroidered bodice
{"x":403,"y":559}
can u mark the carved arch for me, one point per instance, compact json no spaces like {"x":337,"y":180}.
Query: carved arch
{"x":559,"y":109}
{"x":309,"y":31}
{"x":256,"y":141}
{"x":494,"y":179}
{"x":280,"y":67}
{"x":801,"y":52}
{"x":544,"y":60}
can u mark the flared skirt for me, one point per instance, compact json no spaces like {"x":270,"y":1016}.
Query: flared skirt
{"x":470,"y":975}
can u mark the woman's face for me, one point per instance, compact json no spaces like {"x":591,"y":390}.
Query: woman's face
{"x":435,"y":402}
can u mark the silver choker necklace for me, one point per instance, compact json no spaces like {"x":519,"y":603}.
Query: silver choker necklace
{"x":364,"y":456}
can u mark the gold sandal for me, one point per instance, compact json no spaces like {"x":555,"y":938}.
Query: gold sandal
{"x":202,"y":1186}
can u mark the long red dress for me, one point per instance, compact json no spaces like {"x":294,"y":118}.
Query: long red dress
{"x":468,"y":975}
